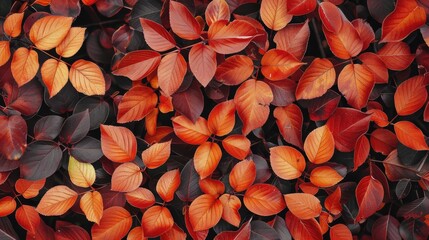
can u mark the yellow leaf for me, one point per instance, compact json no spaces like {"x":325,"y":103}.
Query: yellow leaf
{"x":4,"y":52}
{"x":25,"y":64}
{"x":57,"y":201}
{"x":48,"y":32}
{"x":13,"y":24}
{"x":54,"y":75}
{"x":72,"y":42}
{"x":91,"y":204}
{"x":81,"y":174}
{"x":87,"y":78}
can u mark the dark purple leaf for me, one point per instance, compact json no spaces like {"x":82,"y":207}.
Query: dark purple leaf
{"x":121,"y":38}
{"x":67,"y":8}
{"x":386,"y":228}
{"x":64,"y":101}
{"x":7,"y":165}
{"x":6,"y":230}
{"x":96,"y":51}
{"x":379,"y":9}
{"x":263,"y":172}
{"x":190,"y":102}
{"x":145,"y":9}
{"x":41,"y":160}
{"x":87,"y":150}
{"x":261,"y":230}
{"x":189,"y":188}
{"x":413,"y":229}
{"x":111,"y":198}
{"x":403,"y":188}
{"x":75,"y":128}
{"x":279,"y":225}
{"x":283,"y":92}
{"x":30,"y":20}
{"x":414,"y":209}
{"x":26,"y":99}
{"x":48,"y":127}
{"x":13,"y":136}
{"x":323,"y":107}
{"x":98,"y":110}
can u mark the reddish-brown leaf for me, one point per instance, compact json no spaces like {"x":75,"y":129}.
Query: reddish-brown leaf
{"x":383,"y":141}
{"x":231,"y":204}
{"x":325,"y":176}
{"x":66,"y":231}
{"x":118,"y":143}
{"x":221,"y":119}
{"x":376,"y":66}
{"x":333,"y":202}
{"x":303,"y":229}
{"x":205,"y":212}
{"x":115,"y":224}
{"x":319,"y":146}
{"x":361,"y":152}
{"x":369,"y":195}
{"x":410,"y":96}
{"x":192,"y":133}
{"x":356,"y":82}
{"x":274,"y":14}
{"x":217,"y":10}
{"x":138,"y":64}
{"x":156,"y":155}
{"x":57,"y":201}
{"x":136,"y":104}
{"x":127,"y":177}
{"x":171,"y":72}
{"x":237,"y":146}
{"x":396,"y":55}
{"x":340,"y":232}
{"x":410,"y":135}
{"x":234,"y":70}
{"x":303,"y":205}
{"x":264,"y":199}
{"x":202,"y":62}
{"x":242,"y":175}
{"x":289,"y":120}
{"x":182,"y":22}
{"x":206,"y":158}
{"x":252,"y":100}
{"x":156,"y":36}
{"x":167,"y":185}
{"x":278,"y":64}
{"x":287,"y":162}
{"x":13,"y":24}
{"x":227,"y":38}
{"x":140,"y":198}
{"x":13,"y":137}
{"x":24,"y":66}
{"x":316,"y":80}
{"x":407,"y":17}
{"x":293,"y":39}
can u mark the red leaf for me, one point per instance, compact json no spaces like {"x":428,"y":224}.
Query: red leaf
{"x":156,"y":155}
{"x":278,"y":64}
{"x":347,"y":125}
{"x":301,"y":7}
{"x":156,"y":36}
{"x":221,"y":119}
{"x":230,"y":38}
{"x":137,"y":65}
{"x":333,"y":202}
{"x":293,"y":39}
{"x":264,"y":199}
{"x":217,"y":10}
{"x":202,"y":62}
{"x":376,"y":66}
{"x":28,"y":218}
{"x":356,"y":82}
{"x":289,"y":120}
{"x":211,"y":186}
{"x":378,"y":117}
{"x":171,"y":72}
{"x":383,"y":141}
{"x":396,"y":56}
{"x":325,"y":176}
{"x":303,"y":229}
{"x":340,"y":232}
{"x":410,"y":135}
{"x":365,"y":32}
{"x":156,"y":221}
{"x":190,"y":102}
{"x":138,"y":102}
{"x":410,"y":96}
{"x":183,"y":23}
{"x":322,"y":108}
{"x":369,"y":196}
{"x":361,"y":152}
{"x":331,"y":16}
{"x":65,"y":231}
{"x":407,"y":17}
{"x":13,"y":136}
{"x":234,"y":70}
{"x":346,"y":43}
{"x":274,"y":14}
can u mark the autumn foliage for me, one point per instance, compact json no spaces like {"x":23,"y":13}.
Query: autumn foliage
{"x":223,"y":119}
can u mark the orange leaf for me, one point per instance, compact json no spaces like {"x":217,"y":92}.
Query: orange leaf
{"x":127,"y":177}
{"x":217,"y":10}
{"x":340,"y":232}
{"x":407,"y":17}
{"x":234,"y":70}
{"x":183,"y":23}
{"x":54,"y":75}
{"x":410,"y":96}
{"x":356,"y":82}
{"x":410,"y":135}
{"x":237,"y":146}
{"x":140,"y":198}
{"x":24,"y":66}
{"x":168,"y":184}
{"x":230,"y":38}
{"x":87,"y":78}
{"x":137,"y":65}
{"x":136,"y":234}
{"x":319,"y":146}
{"x":156,"y":155}
{"x":361,"y":152}
{"x":212,"y":186}
{"x":278,"y":64}
{"x":303,"y":205}
{"x":115,"y":224}
{"x":29,"y":189}
{"x":264,"y":199}
{"x":396,"y":55}
{"x":369,"y":195}
{"x":252,"y":100}
{"x":57,"y":201}
{"x":156,"y":36}
{"x":206,"y":158}
{"x":71,"y":43}
{"x":118,"y":143}
{"x":7,"y":206}
{"x":379,"y":117}
{"x":301,"y":7}
{"x":81,"y":174}
{"x":174,"y":233}
{"x":231,"y":204}
{"x":48,"y":32}
{"x":192,"y":133}
{"x":303,"y":229}
{"x":28,"y":218}
{"x":4,"y":52}
{"x":325,"y":176}
{"x":289,"y":120}
{"x":364,"y":31}
{"x":221,"y":119}
{"x":197,"y":235}
{"x":333,"y":202}
{"x":91,"y":204}
{"x":242,"y":175}
{"x":138,"y":102}
{"x":332,"y":18}
{"x":346,"y":43}
{"x":12,"y":24}
{"x":293,"y":39}
{"x":287,"y":162}
{"x":151,"y":121}
{"x":274,"y":14}
{"x":383,"y":141}
{"x":205,"y":212}
{"x":171,"y":72}
{"x":376,"y":66}
{"x":156,"y":221}
{"x":317,"y":79}
{"x":202,"y":62}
